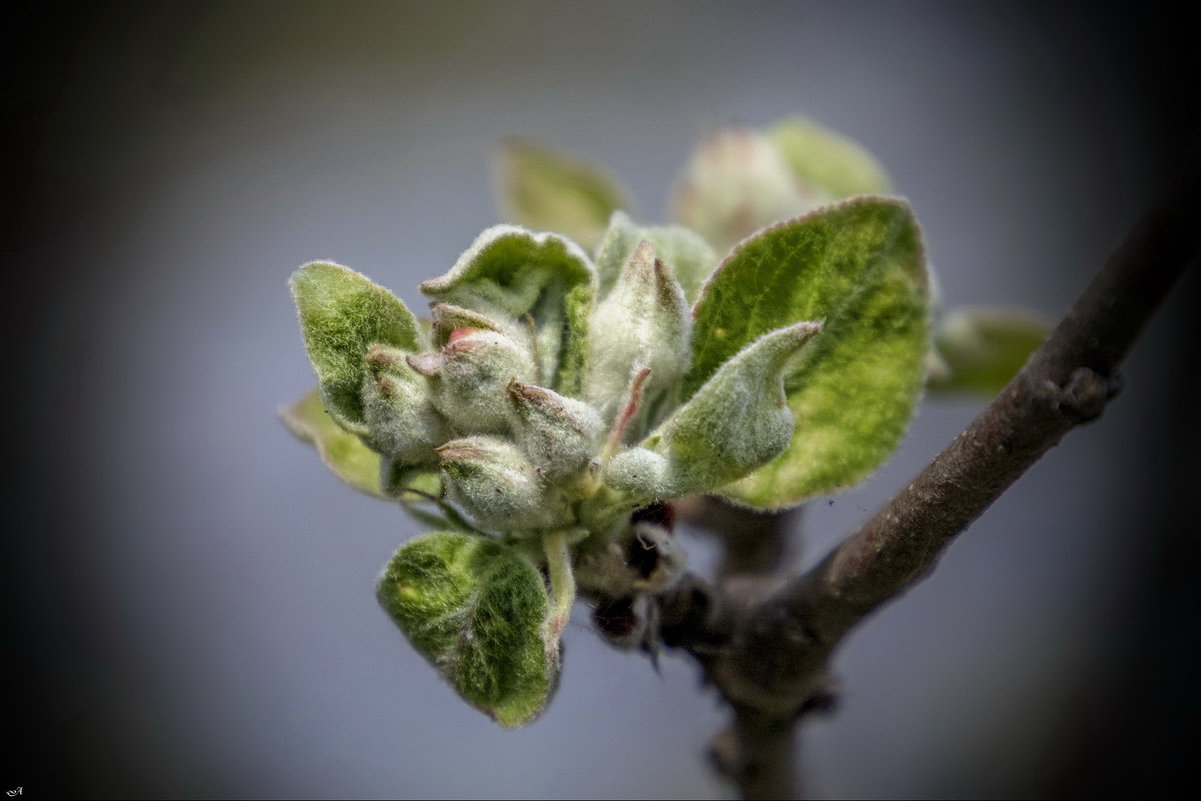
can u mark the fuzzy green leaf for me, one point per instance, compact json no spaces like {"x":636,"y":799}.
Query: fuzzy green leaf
{"x":352,"y":461}
{"x":342,"y":313}
{"x":573,"y":363}
{"x":509,"y":273}
{"x":827,"y":161}
{"x":980,"y":349}
{"x":859,"y":268}
{"x":341,"y":451}
{"x":474,"y":608}
{"x":551,"y":191}
{"x":738,"y":421}
{"x":686,"y":254}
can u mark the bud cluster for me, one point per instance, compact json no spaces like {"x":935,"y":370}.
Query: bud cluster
{"x":544,"y":418}
{"x":542,"y":407}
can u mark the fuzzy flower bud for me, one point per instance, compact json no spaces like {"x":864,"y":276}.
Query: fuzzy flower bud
{"x":736,"y":183}
{"x":559,"y":434}
{"x":470,"y":378}
{"x":497,"y":485}
{"x":644,"y":322}
{"x":448,"y":318}
{"x":402,"y":424}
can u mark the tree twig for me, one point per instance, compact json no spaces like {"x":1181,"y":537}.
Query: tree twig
{"x":1065,"y":383}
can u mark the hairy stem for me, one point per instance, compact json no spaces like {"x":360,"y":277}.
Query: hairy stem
{"x":562,"y":591}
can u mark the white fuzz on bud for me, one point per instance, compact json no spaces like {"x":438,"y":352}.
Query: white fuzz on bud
{"x":497,"y":485}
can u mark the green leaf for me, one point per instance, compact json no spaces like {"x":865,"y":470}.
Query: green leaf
{"x":827,"y":161}
{"x":686,"y":254}
{"x":474,"y":608}
{"x":980,"y":349}
{"x":738,"y":421}
{"x":341,"y":451}
{"x":573,"y":363}
{"x":342,"y":313}
{"x":364,"y":469}
{"x":509,"y":273}
{"x":551,"y":191}
{"x":859,"y":268}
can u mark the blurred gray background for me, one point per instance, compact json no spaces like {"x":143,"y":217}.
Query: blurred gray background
{"x":191,"y":608}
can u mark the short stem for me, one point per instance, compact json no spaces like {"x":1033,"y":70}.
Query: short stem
{"x":769,"y":770}
{"x":562,"y":591}
{"x":757,"y":754}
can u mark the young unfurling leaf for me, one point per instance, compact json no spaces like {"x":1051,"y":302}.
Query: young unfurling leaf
{"x":860,"y":268}
{"x":474,"y":608}
{"x":342,"y":313}
{"x":551,"y":191}
{"x":689,"y":257}
{"x":738,"y":421}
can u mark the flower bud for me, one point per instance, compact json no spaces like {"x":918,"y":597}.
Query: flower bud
{"x":401,"y":422}
{"x":559,"y":434}
{"x":470,"y":378}
{"x":736,"y":183}
{"x":497,"y":485}
{"x":644,"y":322}
{"x":448,"y":318}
